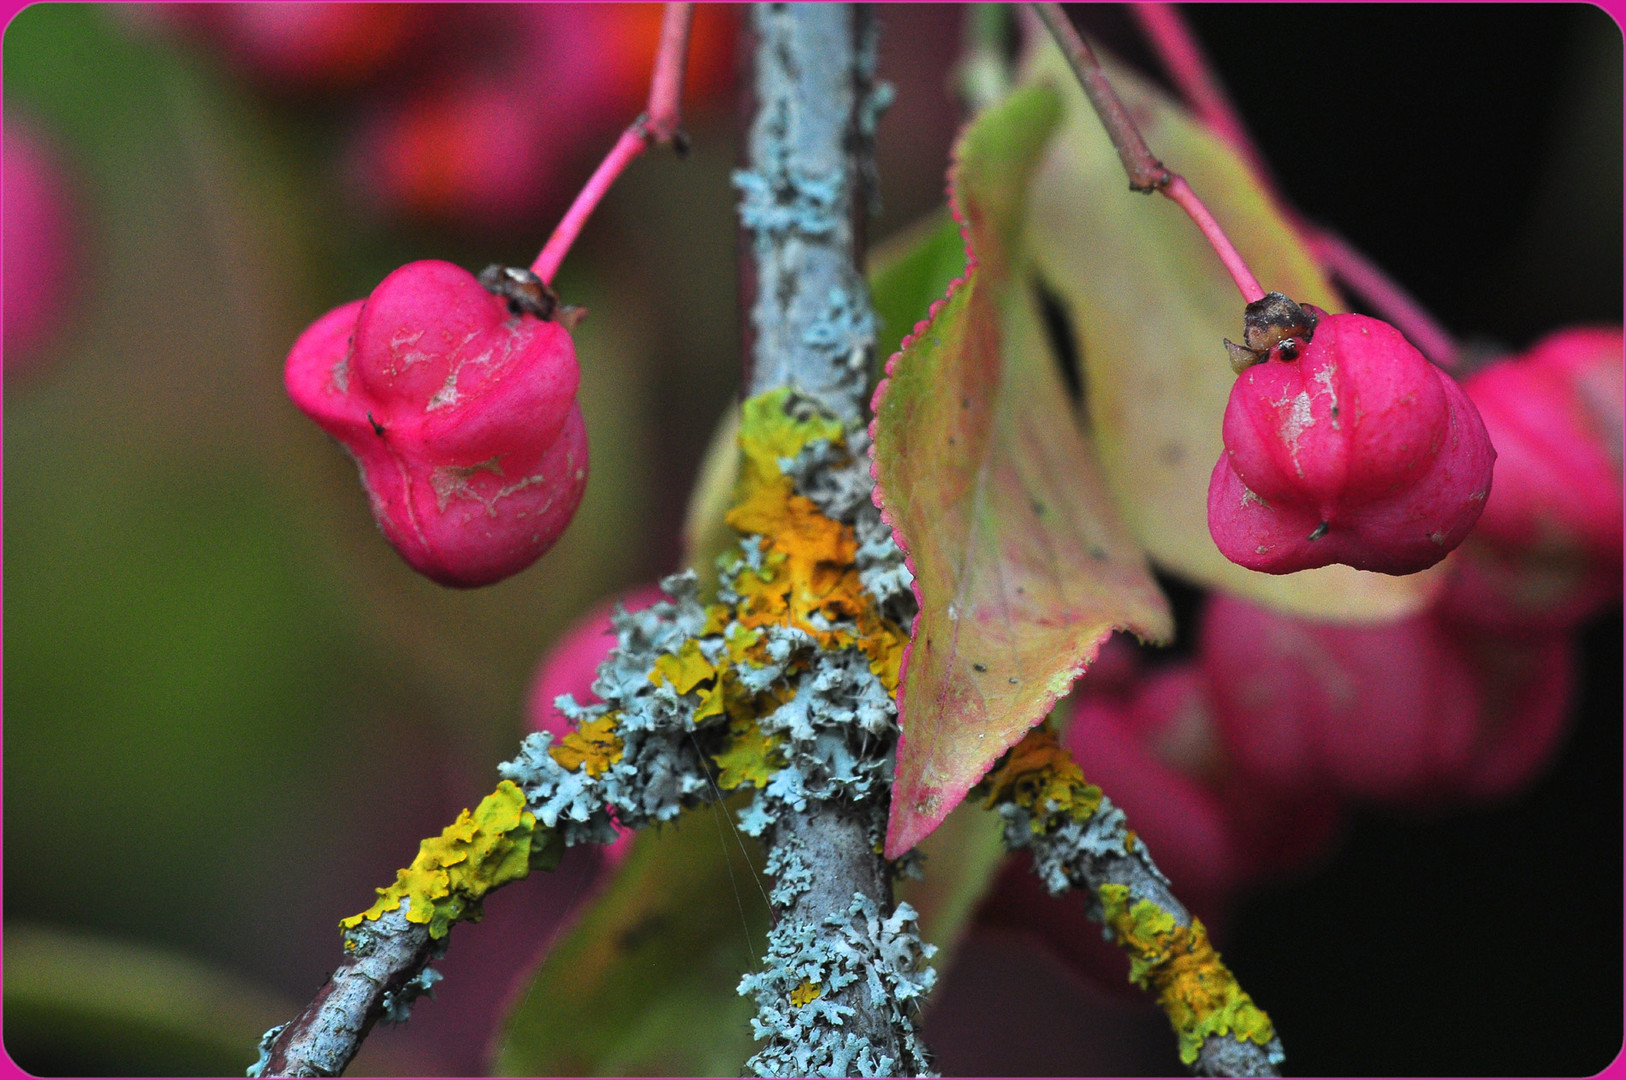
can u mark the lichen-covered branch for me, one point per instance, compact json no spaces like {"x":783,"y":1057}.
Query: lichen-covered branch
{"x":1079,"y":840}
{"x":839,"y":992}
{"x":804,"y":196}
{"x":388,"y":946}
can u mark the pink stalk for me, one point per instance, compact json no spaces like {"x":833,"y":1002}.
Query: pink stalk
{"x":1146,"y":172}
{"x":1180,"y":191}
{"x":1187,"y":66}
{"x":658,"y":124}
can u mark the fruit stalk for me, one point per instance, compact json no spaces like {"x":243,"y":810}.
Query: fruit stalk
{"x":658,"y":124}
{"x":1187,"y":66}
{"x":1146,"y":172}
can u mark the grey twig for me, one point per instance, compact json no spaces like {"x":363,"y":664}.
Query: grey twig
{"x":838,"y":994}
{"x":1079,"y":840}
{"x":380,"y":978}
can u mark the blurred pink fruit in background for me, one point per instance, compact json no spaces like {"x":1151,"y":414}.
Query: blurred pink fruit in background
{"x":511,"y":131}
{"x":294,"y":47}
{"x":1413,"y":713}
{"x":1547,"y":552}
{"x":40,"y":243}
{"x":570,"y":668}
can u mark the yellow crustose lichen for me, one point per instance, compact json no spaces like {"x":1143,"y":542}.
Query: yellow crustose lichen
{"x":1179,"y":965}
{"x":1039,"y":775}
{"x":476,"y":853}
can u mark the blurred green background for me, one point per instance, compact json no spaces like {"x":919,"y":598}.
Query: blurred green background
{"x":231,"y":710}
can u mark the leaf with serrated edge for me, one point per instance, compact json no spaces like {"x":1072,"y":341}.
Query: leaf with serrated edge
{"x":1149,"y":304}
{"x":1021,"y":567}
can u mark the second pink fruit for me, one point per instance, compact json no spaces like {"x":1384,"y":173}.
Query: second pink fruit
{"x":1353,"y":449}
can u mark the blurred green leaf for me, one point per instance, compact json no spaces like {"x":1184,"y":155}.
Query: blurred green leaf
{"x":706,"y":536}
{"x":909,"y":273}
{"x":1149,"y":303}
{"x":645,"y":983}
{"x":85,"y":1006}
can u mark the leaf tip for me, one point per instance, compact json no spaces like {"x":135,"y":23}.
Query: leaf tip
{"x":915,"y":814}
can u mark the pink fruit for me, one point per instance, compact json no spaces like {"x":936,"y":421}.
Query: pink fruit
{"x":470,"y":150}
{"x":39,"y":244}
{"x":1389,"y":713}
{"x":460,"y":411}
{"x":570,"y":668}
{"x":1344,"y":445}
{"x":1547,"y":551}
{"x":300,"y":47}
{"x":1528,"y":686}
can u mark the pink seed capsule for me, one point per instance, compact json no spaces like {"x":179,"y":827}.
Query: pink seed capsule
{"x":1547,"y":552}
{"x":459,"y":407}
{"x":1343,"y":444}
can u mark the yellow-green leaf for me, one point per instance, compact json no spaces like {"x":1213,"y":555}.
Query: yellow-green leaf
{"x":1149,"y":305}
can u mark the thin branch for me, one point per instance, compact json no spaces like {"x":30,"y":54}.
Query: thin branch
{"x":658,"y":124}
{"x":1188,"y":67}
{"x":1079,"y":840}
{"x":376,"y":979}
{"x":1146,"y":172}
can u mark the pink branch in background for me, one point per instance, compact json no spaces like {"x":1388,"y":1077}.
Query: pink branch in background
{"x":658,"y":124}
{"x":1188,"y":68}
{"x":1388,"y":296}
{"x":1146,"y":172}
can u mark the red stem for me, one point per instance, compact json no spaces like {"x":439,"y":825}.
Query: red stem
{"x":658,"y":124}
{"x":1188,"y":68}
{"x":1180,"y":191}
{"x":1146,"y":172}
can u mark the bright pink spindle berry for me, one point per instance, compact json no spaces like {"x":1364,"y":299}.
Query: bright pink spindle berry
{"x":1547,"y":552}
{"x":460,"y":413}
{"x":1345,"y":445}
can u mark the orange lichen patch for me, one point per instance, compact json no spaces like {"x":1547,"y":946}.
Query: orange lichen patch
{"x":1179,"y":965}
{"x":594,"y":746}
{"x":1039,"y":774}
{"x":807,"y":578}
{"x":802,"y":573}
{"x":805,"y":992}
{"x":883,"y":641}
